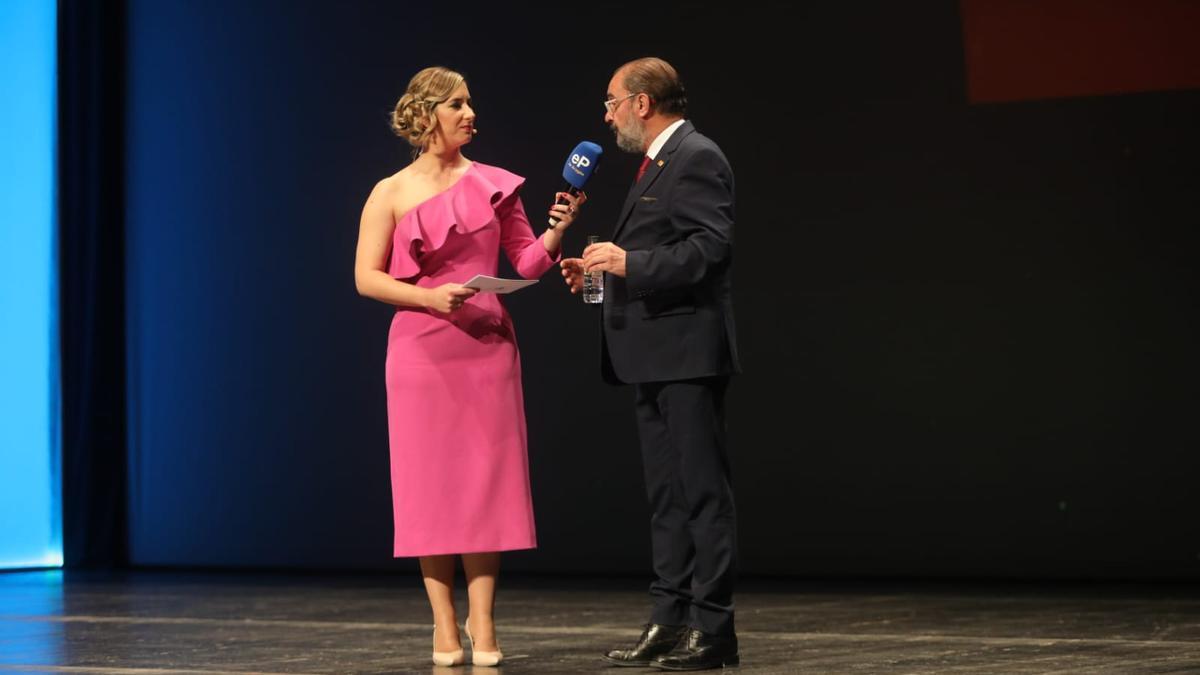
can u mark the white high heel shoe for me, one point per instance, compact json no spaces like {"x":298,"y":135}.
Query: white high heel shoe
{"x":479,"y":658}
{"x":454,"y":658}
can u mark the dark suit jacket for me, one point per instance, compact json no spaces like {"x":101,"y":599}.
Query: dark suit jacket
{"x":671,"y":317}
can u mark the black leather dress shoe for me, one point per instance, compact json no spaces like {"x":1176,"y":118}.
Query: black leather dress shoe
{"x":701,"y":651}
{"x":657,"y":640}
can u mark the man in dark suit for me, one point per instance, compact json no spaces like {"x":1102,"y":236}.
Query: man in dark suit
{"x":668,"y":330}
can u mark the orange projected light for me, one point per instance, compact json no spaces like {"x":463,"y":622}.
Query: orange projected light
{"x":1034,"y":49}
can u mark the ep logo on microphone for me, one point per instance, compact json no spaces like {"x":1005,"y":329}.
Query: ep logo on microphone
{"x":578,"y":168}
{"x":580,"y":163}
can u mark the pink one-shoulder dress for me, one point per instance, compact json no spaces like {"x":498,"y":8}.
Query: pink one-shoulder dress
{"x":456,"y":413}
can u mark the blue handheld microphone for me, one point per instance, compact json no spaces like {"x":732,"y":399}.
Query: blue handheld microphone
{"x":578,"y":169}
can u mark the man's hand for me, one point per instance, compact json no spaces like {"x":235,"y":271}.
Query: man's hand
{"x":604,"y":257}
{"x":572,"y":271}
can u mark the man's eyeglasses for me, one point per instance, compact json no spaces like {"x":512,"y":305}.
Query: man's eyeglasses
{"x":611,"y":104}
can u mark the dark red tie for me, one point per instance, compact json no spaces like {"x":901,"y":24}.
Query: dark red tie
{"x":642,"y":168}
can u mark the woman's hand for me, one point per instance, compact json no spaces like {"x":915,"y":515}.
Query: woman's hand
{"x":566,"y":213}
{"x":448,"y":297}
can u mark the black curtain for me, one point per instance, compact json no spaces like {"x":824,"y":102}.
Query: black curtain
{"x":91,"y":46}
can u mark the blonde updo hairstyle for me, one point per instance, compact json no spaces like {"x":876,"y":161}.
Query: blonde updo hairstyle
{"x":413,"y":119}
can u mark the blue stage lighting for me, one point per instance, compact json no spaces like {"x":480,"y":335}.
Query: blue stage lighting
{"x":29,"y":391}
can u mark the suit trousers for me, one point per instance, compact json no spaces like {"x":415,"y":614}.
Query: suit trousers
{"x":693,"y":528}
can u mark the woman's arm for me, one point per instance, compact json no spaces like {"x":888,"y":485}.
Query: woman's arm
{"x":375,"y":231}
{"x":530,"y":259}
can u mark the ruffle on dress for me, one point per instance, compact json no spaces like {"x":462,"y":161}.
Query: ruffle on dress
{"x":467,"y":206}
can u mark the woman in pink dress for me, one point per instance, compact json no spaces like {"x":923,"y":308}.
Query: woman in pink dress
{"x":456,"y":417}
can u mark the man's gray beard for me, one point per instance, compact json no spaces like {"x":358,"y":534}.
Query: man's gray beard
{"x":633,"y":139}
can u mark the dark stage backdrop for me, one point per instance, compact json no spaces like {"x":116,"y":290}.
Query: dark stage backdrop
{"x":969,"y":329}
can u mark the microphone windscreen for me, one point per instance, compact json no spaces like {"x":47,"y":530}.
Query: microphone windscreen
{"x":581,"y":163}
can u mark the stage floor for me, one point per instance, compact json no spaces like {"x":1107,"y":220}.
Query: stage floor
{"x":152,"y":622}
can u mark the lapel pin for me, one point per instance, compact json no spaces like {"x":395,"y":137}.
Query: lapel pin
{"x":660,"y":163}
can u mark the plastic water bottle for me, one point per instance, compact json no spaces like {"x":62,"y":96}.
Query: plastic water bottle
{"x":593,"y":284}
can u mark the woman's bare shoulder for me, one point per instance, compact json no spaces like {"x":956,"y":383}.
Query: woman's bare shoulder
{"x":393,"y":191}
{"x":393,"y":184}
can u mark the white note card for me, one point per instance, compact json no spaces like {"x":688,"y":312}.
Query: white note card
{"x":486,"y":284}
